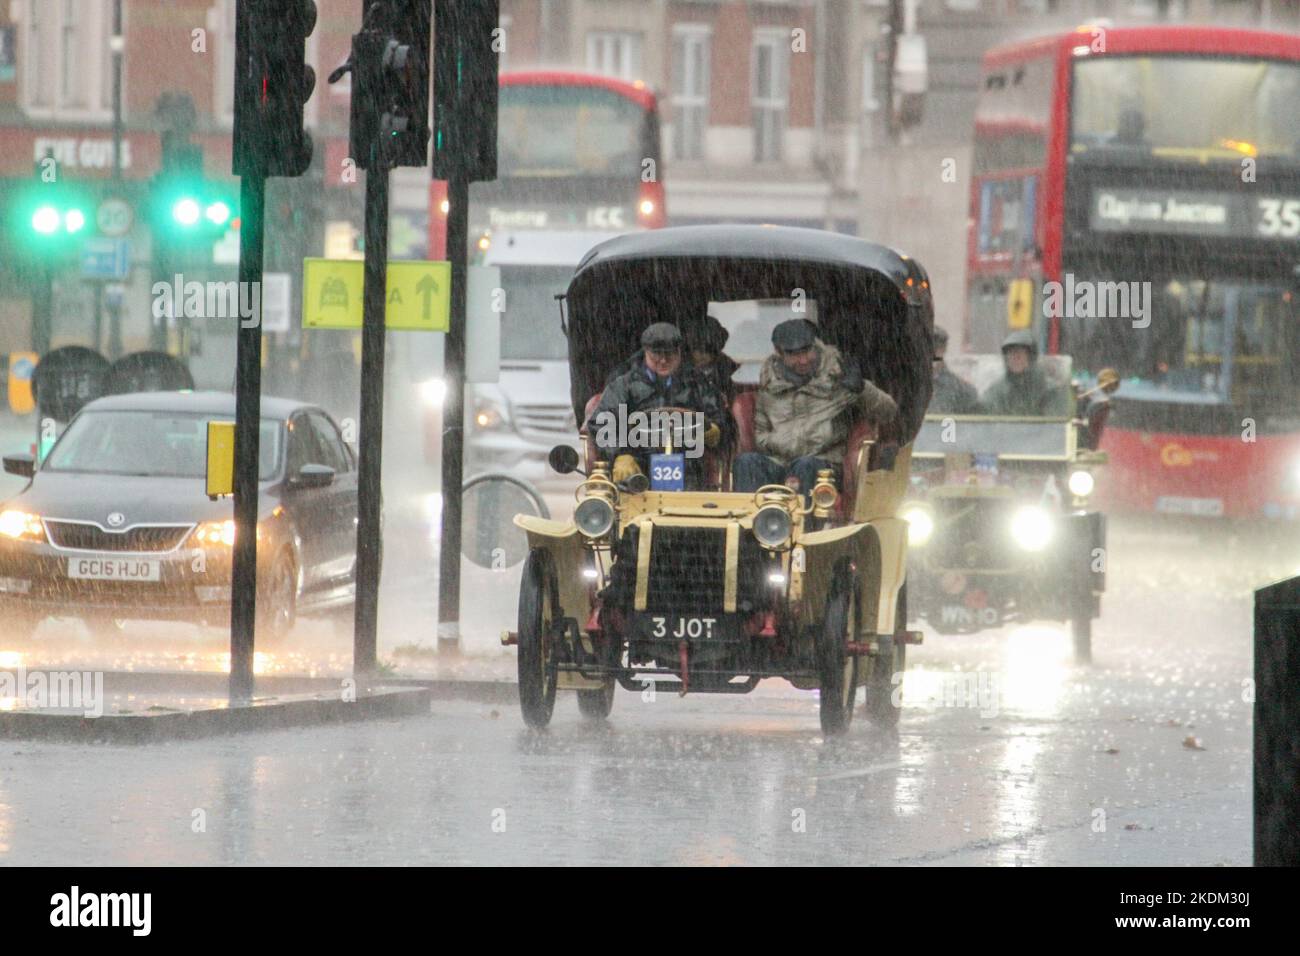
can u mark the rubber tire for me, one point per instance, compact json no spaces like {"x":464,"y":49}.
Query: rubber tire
{"x":1081,"y":631}
{"x":880,"y":686}
{"x":837,"y":700}
{"x":596,"y":704}
{"x":274,"y":628}
{"x":539,"y":608}
{"x":880,"y":707}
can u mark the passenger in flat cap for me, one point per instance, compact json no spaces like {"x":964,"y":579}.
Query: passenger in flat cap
{"x":809,"y":395}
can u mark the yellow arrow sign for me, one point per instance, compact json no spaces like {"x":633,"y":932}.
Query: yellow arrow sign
{"x":418,"y":299}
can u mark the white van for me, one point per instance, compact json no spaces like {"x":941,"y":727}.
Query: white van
{"x":512,"y":425}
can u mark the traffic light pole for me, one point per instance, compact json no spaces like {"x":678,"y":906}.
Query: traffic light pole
{"x":453,"y":419}
{"x":42,"y":308}
{"x":370,"y":472}
{"x":248,"y":392}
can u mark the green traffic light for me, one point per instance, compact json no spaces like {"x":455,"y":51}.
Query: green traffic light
{"x":218,"y":213}
{"x":186,"y":211}
{"x":74,"y":220}
{"x":45,"y":220}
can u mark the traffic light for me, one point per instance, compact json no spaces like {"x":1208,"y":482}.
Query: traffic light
{"x":46,"y":218}
{"x":390,"y":84}
{"x":465,"y":89}
{"x":186,"y":206}
{"x":272,"y":85}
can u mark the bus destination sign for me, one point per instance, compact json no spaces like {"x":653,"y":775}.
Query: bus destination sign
{"x":1183,"y":212}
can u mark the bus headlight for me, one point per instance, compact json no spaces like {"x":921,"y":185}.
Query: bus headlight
{"x":594,"y":517}
{"x":772,"y":526}
{"x":920,"y":524}
{"x":1032,"y":528}
{"x":1081,"y":483}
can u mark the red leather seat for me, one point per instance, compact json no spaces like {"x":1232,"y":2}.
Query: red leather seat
{"x":742,"y":410}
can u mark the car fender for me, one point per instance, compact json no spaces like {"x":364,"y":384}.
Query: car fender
{"x":569,"y":554}
{"x":879,"y":551}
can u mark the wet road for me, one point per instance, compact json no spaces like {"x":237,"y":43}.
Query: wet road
{"x":1005,"y":753}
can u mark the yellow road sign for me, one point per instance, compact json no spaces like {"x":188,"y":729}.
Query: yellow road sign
{"x":419,"y":294}
{"x":221,"y":459}
{"x":1020,"y":304}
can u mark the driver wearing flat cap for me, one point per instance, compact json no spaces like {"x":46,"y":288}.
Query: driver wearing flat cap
{"x":809,"y":395}
{"x":656,"y":377}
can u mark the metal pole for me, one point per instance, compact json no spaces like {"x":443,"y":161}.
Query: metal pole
{"x":116,"y":44}
{"x":248,"y":395}
{"x":43,"y":309}
{"x":370,"y":476}
{"x":453,"y":419}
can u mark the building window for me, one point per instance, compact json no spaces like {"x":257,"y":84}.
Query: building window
{"x":65,"y":48}
{"x":615,"y":54}
{"x":690,"y":90}
{"x":770,"y":83}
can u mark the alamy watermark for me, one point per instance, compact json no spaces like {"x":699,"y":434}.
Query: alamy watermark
{"x":1083,"y":299}
{"x":209,"y":300}
{"x":655,"y":428}
{"x":53,"y":690}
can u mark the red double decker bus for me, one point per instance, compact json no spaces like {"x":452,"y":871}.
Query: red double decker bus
{"x":575,"y":151}
{"x":1136,"y":204}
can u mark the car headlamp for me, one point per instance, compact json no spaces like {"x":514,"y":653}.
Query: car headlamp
{"x":21,"y":525}
{"x":213,"y":533}
{"x":433,"y":392}
{"x":1081,"y":483}
{"x":491,"y":412}
{"x":920,"y":524}
{"x":1032,"y":528}
{"x":594,"y":517}
{"x":772,"y":526}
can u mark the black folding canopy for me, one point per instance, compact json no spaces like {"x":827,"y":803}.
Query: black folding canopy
{"x":873,"y":302}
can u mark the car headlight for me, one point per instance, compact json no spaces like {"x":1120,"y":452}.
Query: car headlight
{"x":21,"y":525}
{"x":1032,"y":528}
{"x":594,"y":517}
{"x":1081,"y":483}
{"x":433,"y":392}
{"x":489,"y":415}
{"x":772,"y":526}
{"x":213,"y":533}
{"x":920,"y":524}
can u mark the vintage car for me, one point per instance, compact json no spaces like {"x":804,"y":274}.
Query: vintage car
{"x":713,"y":590}
{"x":1000,"y":530}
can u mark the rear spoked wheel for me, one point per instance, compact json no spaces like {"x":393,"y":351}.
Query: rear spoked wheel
{"x":539,"y":619}
{"x":891,"y":659}
{"x":837,"y":668}
{"x":596,"y":704}
{"x":1081,"y":631}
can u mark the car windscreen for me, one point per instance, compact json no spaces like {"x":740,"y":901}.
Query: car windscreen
{"x":1006,"y":438}
{"x":530,"y":327}
{"x":155,"y":444}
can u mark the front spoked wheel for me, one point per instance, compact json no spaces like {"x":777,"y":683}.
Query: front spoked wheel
{"x":838,"y":669}
{"x":539,"y":618}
